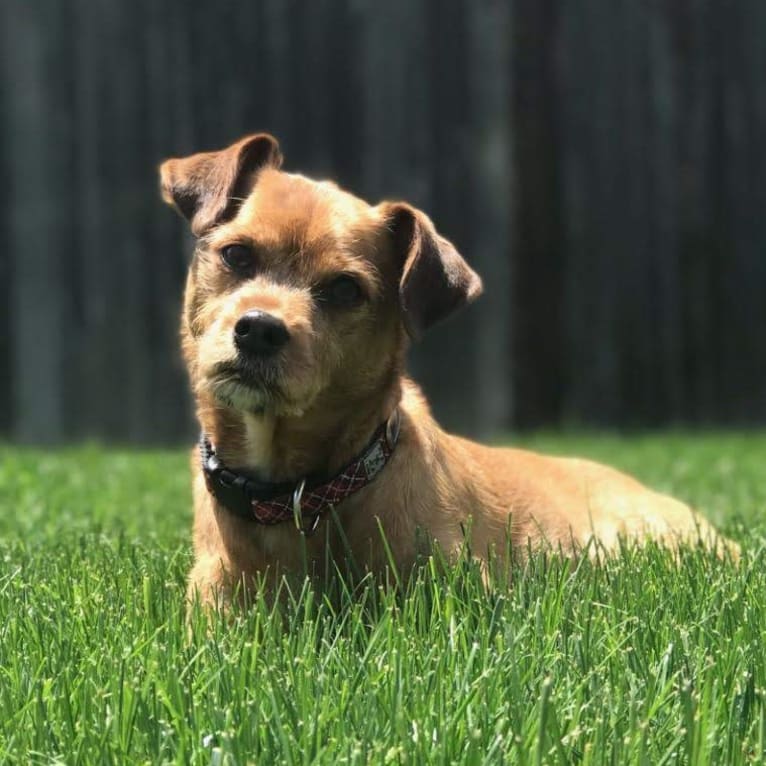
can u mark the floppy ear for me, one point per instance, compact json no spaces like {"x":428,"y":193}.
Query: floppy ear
{"x":435,"y":280}
{"x":209,"y":187}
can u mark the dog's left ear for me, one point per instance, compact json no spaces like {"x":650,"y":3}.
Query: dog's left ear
{"x":435,"y":280}
{"x":207,"y":188}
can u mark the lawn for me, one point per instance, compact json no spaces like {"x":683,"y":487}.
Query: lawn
{"x":635,"y":661}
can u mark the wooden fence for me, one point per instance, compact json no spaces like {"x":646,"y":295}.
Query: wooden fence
{"x":640,"y":239}
{"x":601,"y":162}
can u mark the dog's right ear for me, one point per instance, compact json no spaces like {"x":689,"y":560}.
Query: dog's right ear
{"x":435,"y":280}
{"x":209,"y":187}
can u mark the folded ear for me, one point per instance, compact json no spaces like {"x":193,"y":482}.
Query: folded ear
{"x":435,"y":280}
{"x":209,"y":187}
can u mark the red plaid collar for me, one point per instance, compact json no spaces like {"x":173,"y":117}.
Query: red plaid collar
{"x":304,"y":502}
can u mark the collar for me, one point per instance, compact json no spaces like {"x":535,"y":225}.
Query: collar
{"x":305,"y":501}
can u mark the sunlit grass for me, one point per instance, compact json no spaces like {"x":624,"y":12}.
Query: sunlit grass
{"x":635,"y":661}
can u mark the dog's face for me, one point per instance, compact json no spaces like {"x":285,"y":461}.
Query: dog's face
{"x":298,"y":289}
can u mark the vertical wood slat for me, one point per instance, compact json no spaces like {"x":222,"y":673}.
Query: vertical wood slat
{"x":742,"y":294}
{"x":87,"y":408}
{"x":444,"y":361}
{"x":37,"y":219}
{"x":537,"y":288}
{"x":168,"y":111}
{"x":665,"y":210}
{"x":694,"y":41}
{"x":490,"y":187}
{"x":6,"y":273}
{"x":578,"y":86}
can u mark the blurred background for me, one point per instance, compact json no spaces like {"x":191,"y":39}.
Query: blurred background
{"x":602,"y":163}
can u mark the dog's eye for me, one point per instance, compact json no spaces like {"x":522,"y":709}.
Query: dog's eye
{"x":239,"y":258}
{"x":341,"y":291}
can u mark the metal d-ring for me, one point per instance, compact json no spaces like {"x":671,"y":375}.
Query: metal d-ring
{"x":298,"y":513}
{"x":392,"y":428}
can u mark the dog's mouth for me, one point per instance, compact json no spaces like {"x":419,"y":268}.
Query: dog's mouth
{"x":246,"y":386}
{"x":257,"y":376}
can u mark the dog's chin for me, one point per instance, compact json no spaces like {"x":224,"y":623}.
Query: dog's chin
{"x":244,"y":397}
{"x":253,"y":396}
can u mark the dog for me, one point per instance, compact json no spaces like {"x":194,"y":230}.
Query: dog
{"x":300,"y":304}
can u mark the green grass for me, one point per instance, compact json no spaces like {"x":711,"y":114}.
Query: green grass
{"x":636,"y":661}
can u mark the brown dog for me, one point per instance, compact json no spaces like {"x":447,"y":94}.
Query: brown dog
{"x":300,"y":303}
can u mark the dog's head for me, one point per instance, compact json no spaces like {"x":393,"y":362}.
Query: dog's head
{"x":298,"y":288}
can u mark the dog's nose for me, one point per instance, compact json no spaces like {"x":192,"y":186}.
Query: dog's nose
{"x":260,"y":333}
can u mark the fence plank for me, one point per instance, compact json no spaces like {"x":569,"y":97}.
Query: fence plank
{"x":539,"y":269}
{"x":38,"y":214}
{"x":490,"y":187}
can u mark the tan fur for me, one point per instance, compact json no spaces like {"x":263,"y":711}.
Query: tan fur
{"x":342,"y":375}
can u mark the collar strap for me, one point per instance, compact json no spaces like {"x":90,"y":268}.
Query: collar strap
{"x":304,"y":502}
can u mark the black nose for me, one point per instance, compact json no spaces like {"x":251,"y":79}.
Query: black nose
{"x":259,"y":333}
